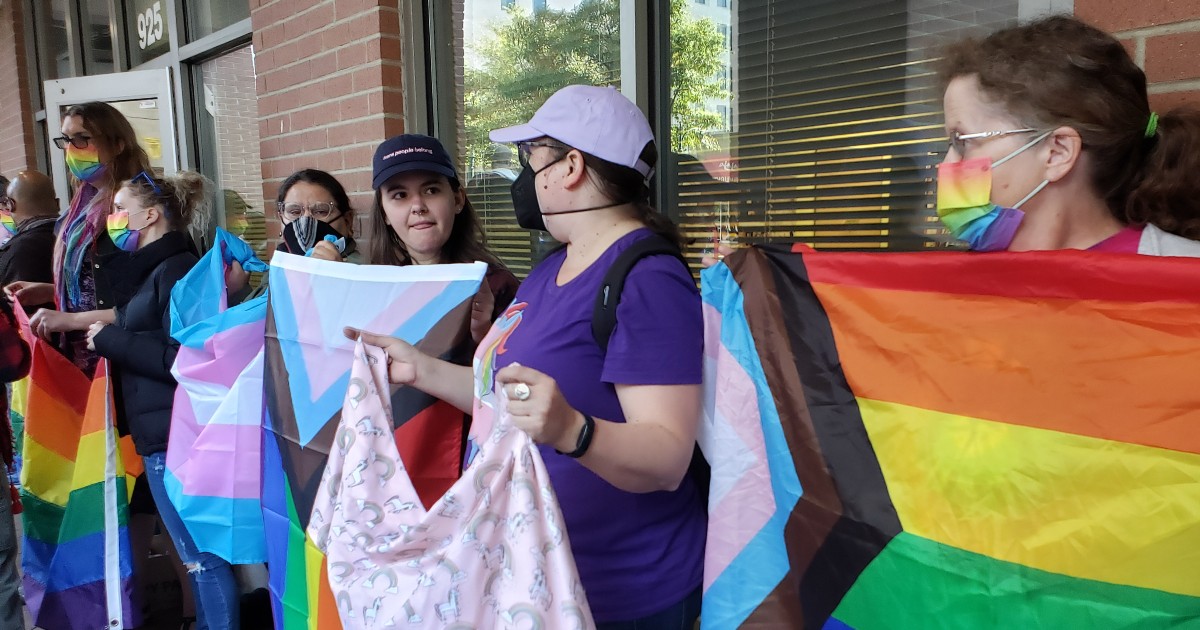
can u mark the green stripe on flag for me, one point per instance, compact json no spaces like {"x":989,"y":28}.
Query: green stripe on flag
{"x":295,"y":589}
{"x":85,"y":511}
{"x":918,"y":583}
{"x":41,"y":520}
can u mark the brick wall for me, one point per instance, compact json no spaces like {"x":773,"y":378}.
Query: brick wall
{"x":16,"y":114}
{"x":1164,"y":38}
{"x":329,"y":91}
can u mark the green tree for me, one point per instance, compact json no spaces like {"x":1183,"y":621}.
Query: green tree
{"x":531,"y":55}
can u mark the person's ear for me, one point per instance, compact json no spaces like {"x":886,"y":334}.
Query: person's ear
{"x":1063,"y":150}
{"x":576,"y":169}
{"x":153,"y":214}
{"x":460,"y":200}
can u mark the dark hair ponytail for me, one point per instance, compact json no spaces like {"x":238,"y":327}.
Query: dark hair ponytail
{"x":625,"y":185}
{"x":1167,"y":191}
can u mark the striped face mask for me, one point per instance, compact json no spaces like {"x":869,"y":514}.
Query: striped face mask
{"x":964,"y":202}
{"x":8,"y":226}
{"x":120,"y":233}
{"x":84,"y":163}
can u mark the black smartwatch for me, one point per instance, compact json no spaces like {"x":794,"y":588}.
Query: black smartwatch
{"x":585,"y":438}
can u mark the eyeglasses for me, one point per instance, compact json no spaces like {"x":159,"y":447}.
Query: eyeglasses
{"x":525,"y":149}
{"x":958,"y":141}
{"x":146,"y":177}
{"x":79,"y":141}
{"x":321,"y":211}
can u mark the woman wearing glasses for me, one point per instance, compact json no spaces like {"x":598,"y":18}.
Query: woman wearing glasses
{"x":616,"y":425}
{"x":101,"y":150}
{"x":1053,"y":145}
{"x":1054,"y":115}
{"x":312,"y":196}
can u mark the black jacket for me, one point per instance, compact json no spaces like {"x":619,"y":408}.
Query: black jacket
{"x":29,"y":255}
{"x":139,"y":346}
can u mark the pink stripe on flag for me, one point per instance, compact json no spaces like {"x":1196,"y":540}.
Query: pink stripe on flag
{"x":742,"y":476}
{"x":210,"y":364}
{"x":205,"y":473}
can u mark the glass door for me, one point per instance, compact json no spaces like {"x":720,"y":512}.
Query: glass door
{"x":145,"y":98}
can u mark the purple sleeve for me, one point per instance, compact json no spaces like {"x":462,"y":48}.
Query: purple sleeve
{"x":659,"y":337}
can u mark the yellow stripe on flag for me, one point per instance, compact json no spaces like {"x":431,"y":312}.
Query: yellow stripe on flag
{"x":313,"y":560}
{"x":36,"y":477}
{"x":90,"y":469}
{"x":1069,"y":504}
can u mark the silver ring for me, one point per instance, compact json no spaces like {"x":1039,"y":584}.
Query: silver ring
{"x":521,"y":391}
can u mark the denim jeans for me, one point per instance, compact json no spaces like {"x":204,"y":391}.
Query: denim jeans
{"x":11,"y":617}
{"x":680,"y":616}
{"x":213,"y":583}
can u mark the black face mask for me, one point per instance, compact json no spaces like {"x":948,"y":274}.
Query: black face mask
{"x":302,"y":234}
{"x":525,"y":202}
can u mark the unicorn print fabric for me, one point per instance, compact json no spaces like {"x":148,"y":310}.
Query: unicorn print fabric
{"x":491,"y":553}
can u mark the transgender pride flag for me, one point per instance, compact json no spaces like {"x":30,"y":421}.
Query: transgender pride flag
{"x":214,"y":455}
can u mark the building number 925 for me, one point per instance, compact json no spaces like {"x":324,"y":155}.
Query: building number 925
{"x":150,"y":26}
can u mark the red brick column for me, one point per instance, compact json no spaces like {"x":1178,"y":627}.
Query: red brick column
{"x":329,"y":90}
{"x":16,"y":109}
{"x":1164,"y":38}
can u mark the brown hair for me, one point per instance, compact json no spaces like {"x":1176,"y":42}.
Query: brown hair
{"x":622,"y":184}
{"x":467,"y":242}
{"x":326,"y":181}
{"x":111,"y":127}
{"x":1061,"y":72}
{"x":183,"y":198}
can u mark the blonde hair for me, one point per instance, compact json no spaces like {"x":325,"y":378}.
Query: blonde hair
{"x":184,"y":198}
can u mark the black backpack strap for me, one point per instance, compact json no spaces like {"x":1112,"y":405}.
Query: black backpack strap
{"x":604,"y":314}
{"x":604,"y":320}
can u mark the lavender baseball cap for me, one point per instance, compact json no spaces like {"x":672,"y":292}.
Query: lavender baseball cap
{"x":599,"y":121}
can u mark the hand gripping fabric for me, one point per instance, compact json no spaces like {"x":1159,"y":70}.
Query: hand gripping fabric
{"x":214,"y":454}
{"x":491,"y":553}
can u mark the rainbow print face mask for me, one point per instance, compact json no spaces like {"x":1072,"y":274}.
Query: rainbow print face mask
{"x":85,"y":164}
{"x":964,"y":202}
{"x":118,"y":230}
{"x":8,"y":227}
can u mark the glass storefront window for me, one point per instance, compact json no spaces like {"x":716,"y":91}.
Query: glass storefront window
{"x":828,"y":128}
{"x":227,"y":123}
{"x":54,"y":53}
{"x":146,"y":30}
{"x":143,"y":116}
{"x":510,"y":59}
{"x":97,"y":37}
{"x":205,"y":17}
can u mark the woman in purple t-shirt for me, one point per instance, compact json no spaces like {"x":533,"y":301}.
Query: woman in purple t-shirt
{"x":616,"y":426}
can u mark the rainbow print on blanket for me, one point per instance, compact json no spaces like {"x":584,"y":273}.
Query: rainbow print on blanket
{"x":307,"y":373}
{"x":76,"y":483}
{"x":952,"y":440}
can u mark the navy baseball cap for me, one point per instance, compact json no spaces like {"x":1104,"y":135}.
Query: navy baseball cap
{"x":410,"y":152}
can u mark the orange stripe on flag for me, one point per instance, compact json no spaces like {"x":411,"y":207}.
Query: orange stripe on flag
{"x":1086,"y":367}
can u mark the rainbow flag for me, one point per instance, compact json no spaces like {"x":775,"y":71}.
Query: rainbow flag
{"x":18,"y":403}
{"x":307,"y":373}
{"x":952,"y":440}
{"x":76,"y":484}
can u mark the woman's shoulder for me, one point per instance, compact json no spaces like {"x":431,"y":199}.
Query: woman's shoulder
{"x":176,"y":266}
{"x":1158,"y":242}
{"x":500,"y":277}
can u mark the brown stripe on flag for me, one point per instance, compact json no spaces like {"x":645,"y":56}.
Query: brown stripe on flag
{"x":844,"y":516}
